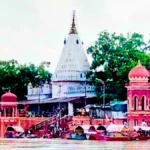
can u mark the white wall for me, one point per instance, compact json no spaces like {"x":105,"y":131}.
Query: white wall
{"x":70,"y":109}
{"x":71,"y":89}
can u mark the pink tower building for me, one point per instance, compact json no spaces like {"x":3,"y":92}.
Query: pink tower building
{"x":138,"y":96}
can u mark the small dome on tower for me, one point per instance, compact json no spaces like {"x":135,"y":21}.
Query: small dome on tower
{"x":46,"y":82}
{"x":138,"y":74}
{"x":29,"y":84}
{"x":9,"y":97}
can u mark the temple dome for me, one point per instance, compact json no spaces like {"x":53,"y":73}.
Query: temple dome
{"x":138,"y":74}
{"x":9,"y":97}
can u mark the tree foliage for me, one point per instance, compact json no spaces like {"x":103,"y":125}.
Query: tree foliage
{"x":15,"y":77}
{"x":117,"y":55}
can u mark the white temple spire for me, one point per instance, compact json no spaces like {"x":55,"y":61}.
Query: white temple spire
{"x":73,"y":29}
{"x":73,"y":62}
{"x":69,"y":78}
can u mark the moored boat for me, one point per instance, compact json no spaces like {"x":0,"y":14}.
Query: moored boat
{"x":78,"y":134}
{"x":107,"y":138}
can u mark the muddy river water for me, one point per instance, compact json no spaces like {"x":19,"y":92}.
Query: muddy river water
{"x":56,"y":144}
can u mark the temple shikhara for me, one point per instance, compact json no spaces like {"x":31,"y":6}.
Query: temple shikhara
{"x":69,"y":78}
{"x":70,"y":92}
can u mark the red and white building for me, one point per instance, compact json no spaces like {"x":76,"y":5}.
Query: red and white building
{"x":138,"y":96}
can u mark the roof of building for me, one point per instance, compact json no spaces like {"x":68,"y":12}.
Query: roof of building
{"x":138,"y":73}
{"x":44,"y":101}
{"x":8,"y":97}
{"x":116,"y":102}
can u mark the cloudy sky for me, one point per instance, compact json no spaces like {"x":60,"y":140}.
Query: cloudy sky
{"x":34,"y":30}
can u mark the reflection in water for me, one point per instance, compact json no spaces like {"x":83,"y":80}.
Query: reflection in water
{"x":47,"y":144}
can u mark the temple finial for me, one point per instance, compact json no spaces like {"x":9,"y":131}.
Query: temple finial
{"x":73,"y":29}
{"x":139,"y":64}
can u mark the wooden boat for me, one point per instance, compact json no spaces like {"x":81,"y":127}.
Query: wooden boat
{"x":120,"y":137}
{"x":78,"y":134}
{"x":117,"y":137}
{"x":77,"y":137}
{"x":108,"y":138}
{"x":142,"y":138}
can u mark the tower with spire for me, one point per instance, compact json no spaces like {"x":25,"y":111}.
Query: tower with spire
{"x":69,"y":78}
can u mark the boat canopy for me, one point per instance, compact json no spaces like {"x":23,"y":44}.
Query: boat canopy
{"x":117,"y":128}
{"x":142,"y":128}
{"x":87,"y":127}
{"x":79,"y":128}
{"x":100,"y":127}
{"x":92,"y":128}
{"x":15,"y":128}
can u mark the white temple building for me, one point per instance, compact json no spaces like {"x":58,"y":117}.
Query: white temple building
{"x":69,"y":78}
{"x":41,"y":92}
{"x":70,"y":88}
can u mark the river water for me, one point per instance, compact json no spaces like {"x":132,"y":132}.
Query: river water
{"x":56,"y":144}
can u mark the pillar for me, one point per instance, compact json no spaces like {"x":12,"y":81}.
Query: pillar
{"x":16,"y":111}
{"x":2,"y":128}
{"x":4,"y":111}
{"x":70,"y":109}
{"x":8,"y":112}
{"x":19,"y":122}
{"x":13,"y":112}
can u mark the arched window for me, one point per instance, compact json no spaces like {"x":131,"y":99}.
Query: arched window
{"x":135,"y":103}
{"x":77,"y":41}
{"x":81,"y":75}
{"x":65,"y":41}
{"x":143,"y":103}
{"x":135,"y":122}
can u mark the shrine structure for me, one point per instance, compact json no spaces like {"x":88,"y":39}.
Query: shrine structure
{"x":9,"y":104}
{"x":10,"y":116}
{"x":69,"y":78}
{"x":138,"y":95}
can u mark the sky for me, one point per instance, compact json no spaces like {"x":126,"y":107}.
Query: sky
{"x":34,"y":30}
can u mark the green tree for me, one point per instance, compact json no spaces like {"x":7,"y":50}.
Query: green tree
{"x":117,"y":55}
{"x":15,"y":77}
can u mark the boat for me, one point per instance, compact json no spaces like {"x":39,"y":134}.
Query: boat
{"x":14,"y":132}
{"x":142,"y":132}
{"x":122,"y":133}
{"x":78,"y":134}
{"x":142,"y":138}
{"x":116,"y":133}
{"x":117,"y":137}
{"x":92,"y":133}
{"x":78,"y":137}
